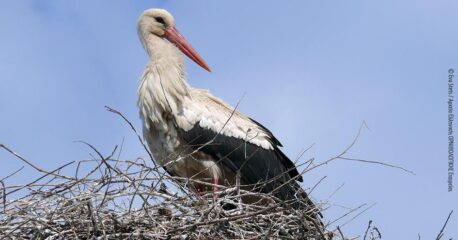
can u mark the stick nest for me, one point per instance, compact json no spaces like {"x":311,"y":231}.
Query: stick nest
{"x":106,"y":198}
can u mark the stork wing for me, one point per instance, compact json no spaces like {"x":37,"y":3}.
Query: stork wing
{"x":240,"y":143}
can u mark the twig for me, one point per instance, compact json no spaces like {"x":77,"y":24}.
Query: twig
{"x":367,"y":230}
{"x":140,"y":139}
{"x":441,"y":233}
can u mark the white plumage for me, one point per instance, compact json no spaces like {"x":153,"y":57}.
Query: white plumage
{"x":193,"y":134}
{"x":166,"y":99}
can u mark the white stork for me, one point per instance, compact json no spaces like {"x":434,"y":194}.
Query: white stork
{"x":193,"y":134}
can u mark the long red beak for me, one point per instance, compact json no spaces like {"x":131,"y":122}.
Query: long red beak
{"x":180,"y":42}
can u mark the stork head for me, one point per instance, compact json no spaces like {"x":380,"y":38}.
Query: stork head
{"x":161,"y":23}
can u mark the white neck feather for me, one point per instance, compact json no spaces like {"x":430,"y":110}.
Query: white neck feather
{"x":163,"y":85}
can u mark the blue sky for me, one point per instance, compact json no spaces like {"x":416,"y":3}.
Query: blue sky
{"x":311,"y":71}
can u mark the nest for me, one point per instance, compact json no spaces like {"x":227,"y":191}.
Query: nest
{"x":106,"y":198}
{"x":109,"y":198}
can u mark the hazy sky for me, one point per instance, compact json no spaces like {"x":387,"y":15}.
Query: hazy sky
{"x":311,"y":71}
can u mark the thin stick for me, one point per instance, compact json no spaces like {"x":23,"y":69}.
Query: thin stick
{"x":441,"y":233}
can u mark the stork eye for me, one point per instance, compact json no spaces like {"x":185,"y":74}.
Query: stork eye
{"x":159,"y":20}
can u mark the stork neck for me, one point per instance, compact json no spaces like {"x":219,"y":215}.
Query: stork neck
{"x":165,"y":62}
{"x":163,"y":86}
{"x":160,"y":50}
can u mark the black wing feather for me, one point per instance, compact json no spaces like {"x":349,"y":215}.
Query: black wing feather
{"x":274,"y":140}
{"x":255,"y":163}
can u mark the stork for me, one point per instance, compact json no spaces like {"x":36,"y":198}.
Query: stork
{"x":196,"y":135}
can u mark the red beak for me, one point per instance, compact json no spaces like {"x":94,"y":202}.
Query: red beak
{"x":180,"y":42}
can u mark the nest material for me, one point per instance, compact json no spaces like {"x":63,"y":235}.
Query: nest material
{"x":110,"y":199}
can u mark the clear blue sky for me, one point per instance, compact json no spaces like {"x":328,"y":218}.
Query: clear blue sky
{"x":312,"y":71}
